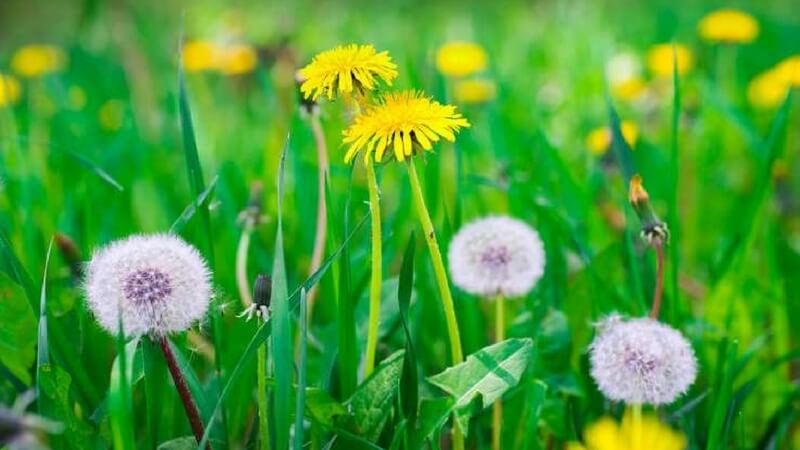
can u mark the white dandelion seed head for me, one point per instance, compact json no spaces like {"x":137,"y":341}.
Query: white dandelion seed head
{"x":641,"y":361}
{"x":496,"y":255}
{"x":159,"y":284}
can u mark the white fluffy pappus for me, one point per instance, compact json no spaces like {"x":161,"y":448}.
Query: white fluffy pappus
{"x":496,"y":255}
{"x":159,"y":284}
{"x":641,"y":361}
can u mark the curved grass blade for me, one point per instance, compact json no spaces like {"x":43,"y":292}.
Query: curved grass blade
{"x":672,"y":216}
{"x":42,"y":346}
{"x":301,"y":373}
{"x":409,"y":387}
{"x":200,"y":202}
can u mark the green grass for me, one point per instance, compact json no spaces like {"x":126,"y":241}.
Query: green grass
{"x":190,"y":145}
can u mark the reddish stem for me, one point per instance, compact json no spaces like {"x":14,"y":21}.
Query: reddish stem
{"x":659,"y":290}
{"x":192,"y":413}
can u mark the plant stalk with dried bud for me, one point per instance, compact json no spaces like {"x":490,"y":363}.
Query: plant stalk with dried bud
{"x":654,"y":231}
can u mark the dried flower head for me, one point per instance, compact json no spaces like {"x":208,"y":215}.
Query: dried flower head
{"x":345,"y":68}
{"x":157,"y":284}
{"x":403,"y":121}
{"x":496,"y":256}
{"x":641,"y":361}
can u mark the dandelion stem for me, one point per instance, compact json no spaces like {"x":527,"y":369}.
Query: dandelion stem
{"x":499,"y":335}
{"x":322,"y":213}
{"x":441,"y":280}
{"x":376,"y":275}
{"x":659,"y":289}
{"x":637,"y":426}
{"x":241,"y":264}
{"x":189,"y":405}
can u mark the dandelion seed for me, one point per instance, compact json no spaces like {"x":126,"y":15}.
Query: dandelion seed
{"x":641,"y":361}
{"x":345,"y":69}
{"x":403,"y":122}
{"x":461,"y":59}
{"x":496,"y":256}
{"x":157,"y":284}
{"x":32,"y":61}
{"x":729,"y":26}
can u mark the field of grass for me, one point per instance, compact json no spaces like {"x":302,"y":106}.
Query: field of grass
{"x":112,"y":130}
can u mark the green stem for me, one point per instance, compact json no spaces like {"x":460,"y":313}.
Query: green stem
{"x":441,"y":280}
{"x":376,"y":276}
{"x":263,"y":425}
{"x":499,"y":335}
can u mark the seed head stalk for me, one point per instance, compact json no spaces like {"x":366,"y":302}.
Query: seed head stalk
{"x":659,"y":289}
{"x":377,"y":268}
{"x":321,"y":232}
{"x":499,"y":335}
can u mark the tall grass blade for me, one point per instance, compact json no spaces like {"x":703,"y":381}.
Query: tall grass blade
{"x":301,"y":373}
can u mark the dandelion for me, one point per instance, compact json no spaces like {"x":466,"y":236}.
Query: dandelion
{"x":728,"y":26}
{"x":660,"y":59}
{"x":346,"y":69}
{"x":237,"y":59}
{"x":598,"y":141}
{"x":405,"y":122}
{"x":641,"y":361}
{"x":648,"y":432}
{"x":496,"y":256}
{"x":789,"y":70}
{"x":199,"y":56}
{"x":10,"y":90}
{"x":769,"y":89}
{"x":35,"y":60}
{"x":461,"y":59}
{"x":474,"y":91}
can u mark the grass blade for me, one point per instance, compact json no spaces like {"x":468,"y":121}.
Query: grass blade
{"x":200,"y":202}
{"x":301,"y":373}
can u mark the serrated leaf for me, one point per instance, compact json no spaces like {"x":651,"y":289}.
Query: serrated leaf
{"x":371,"y":403}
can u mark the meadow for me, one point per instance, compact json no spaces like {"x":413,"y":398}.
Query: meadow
{"x":314,"y":268}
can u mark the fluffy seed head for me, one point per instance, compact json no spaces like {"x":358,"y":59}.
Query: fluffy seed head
{"x":158,"y":283}
{"x":641,"y":361}
{"x":496,"y":256}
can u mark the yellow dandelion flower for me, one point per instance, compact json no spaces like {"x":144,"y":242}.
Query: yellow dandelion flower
{"x":650,"y":433}
{"x":10,"y":90}
{"x":767,"y":90}
{"x":403,"y":121}
{"x":474,"y":91}
{"x":789,"y":70}
{"x":35,"y":60}
{"x":660,"y":59}
{"x":599,"y":139}
{"x":345,"y":68}
{"x":112,"y":115}
{"x":199,"y":56}
{"x":629,"y":89}
{"x":729,"y":26}
{"x":238,"y":59}
{"x":460,"y":59}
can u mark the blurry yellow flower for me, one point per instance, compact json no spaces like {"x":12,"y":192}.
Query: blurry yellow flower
{"x":599,"y":140}
{"x":77,"y":97}
{"x":345,"y":68}
{"x":650,"y":434}
{"x":474,"y":91}
{"x":660,"y":59}
{"x":198,"y":56}
{"x":728,"y":25}
{"x":402,"y":121}
{"x":36,"y":60}
{"x":238,"y":59}
{"x":789,"y":70}
{"x":629,"y":89}
{"x":460,"y":59}
{"x":768,"y":89}
{"x":10,"y":90}
{"x":112,"y":115}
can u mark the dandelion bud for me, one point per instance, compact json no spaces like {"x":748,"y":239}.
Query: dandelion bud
{"x":653,"y":229}
{"x":496,"y":256}
{"x":156,"y":284}
{"x":262,"y":291}
{"x":641,"y":361}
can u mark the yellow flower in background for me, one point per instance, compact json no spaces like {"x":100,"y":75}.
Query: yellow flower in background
{"x":198,"y":56}
{"x":401,"y":121}
{"x":35,"y":60}
{"x":460,"y":59}
{"x":789,"y":70}
{"x":474,"y":91}
{"x":624,"y":74}
{"x":660,"y":59}
{"x":238,"y":59}
{"x":10,"y":90}
{"x":599,"y":140}
{"x":630,"y":89}
{"x":112,"y":115}
{"x":650,"y":434}
{"x":344,"y":69}
{"x":729,"y":26}
{"x":767,"y":90}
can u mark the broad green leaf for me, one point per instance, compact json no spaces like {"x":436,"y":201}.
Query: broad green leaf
{"x":54,"y":385}
{"x":321,"y":408}
{"x":433,"y":414}
{"x":371,"y":403}
{"x":17,"y":330}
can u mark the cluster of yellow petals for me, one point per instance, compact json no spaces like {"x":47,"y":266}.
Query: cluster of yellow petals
{"x":233,"y":59}
{"x":599,"y":139}
{"x":650,"y":434}
{"x":662,"y":57}
{"x":10,"y":90}
{"x":768,"y":89}
{"x":345,"y":68}
{"x":460,"y":59}
{"x":729,"y":26}
{"x":35,"y":60}
{"x":401,"y":121}
{"x":474,"y":91}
